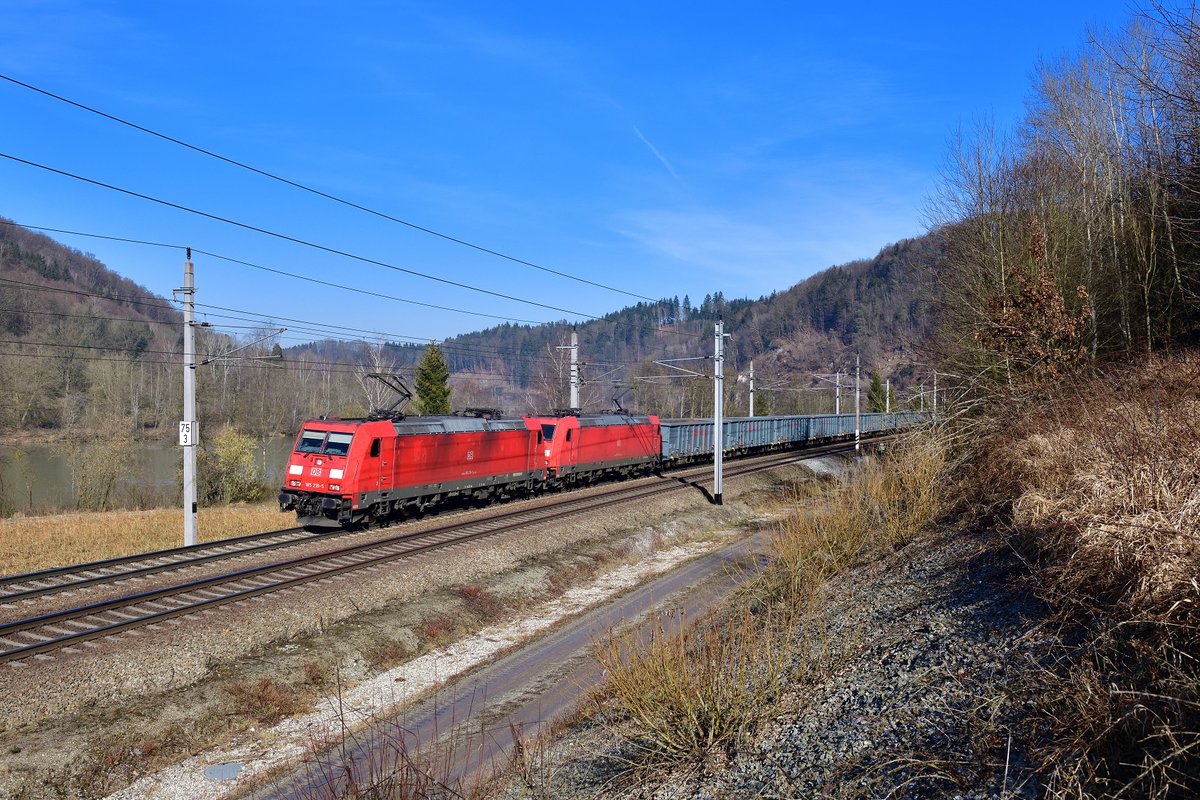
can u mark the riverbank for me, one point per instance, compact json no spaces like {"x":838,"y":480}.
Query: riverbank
{"x":29,"y":543}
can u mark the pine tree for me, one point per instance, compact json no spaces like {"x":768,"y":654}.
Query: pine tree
{"x":433,"y":382}
{"x":876,"y":394}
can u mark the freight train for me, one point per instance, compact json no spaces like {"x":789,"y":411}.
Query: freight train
{"x":350,"y":472}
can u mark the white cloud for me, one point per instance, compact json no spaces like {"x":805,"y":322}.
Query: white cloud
{"x":804,"y":221}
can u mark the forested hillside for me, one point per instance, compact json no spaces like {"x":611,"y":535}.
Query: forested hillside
{"x":86,"y":350}
{"x":79,"y":344}
{"x":881,"y":308}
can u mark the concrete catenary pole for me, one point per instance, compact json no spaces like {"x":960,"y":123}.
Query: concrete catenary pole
{"x":887,"y":397}
{"x":574,"y":369}
{"x":752,"y":388}
{"x":857,"y":412}
{"x":718,"y":409}
{"x":837,"y":392}
{"x":189,"y":432}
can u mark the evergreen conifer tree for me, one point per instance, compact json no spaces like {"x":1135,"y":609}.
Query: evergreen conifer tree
{"x":433,"y":382}
{"x":876,"y":394}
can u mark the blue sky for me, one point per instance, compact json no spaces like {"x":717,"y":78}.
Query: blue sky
{"x":659,"y":148}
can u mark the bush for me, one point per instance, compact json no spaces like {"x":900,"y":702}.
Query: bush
{"x":229,"y":469}
{"x":1101,"y":484}
{"x":690,"y":694}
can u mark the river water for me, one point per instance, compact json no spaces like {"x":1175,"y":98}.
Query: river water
{"x":37,"y":479}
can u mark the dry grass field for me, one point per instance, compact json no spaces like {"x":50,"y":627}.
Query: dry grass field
{"x":33,"y":543}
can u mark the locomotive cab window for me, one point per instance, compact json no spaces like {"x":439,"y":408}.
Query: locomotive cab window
{"x":374,"y":448}
{"x":568,"y":435}
{"x":310,"y":441}
{"x":338,"y":444}
{"x":548,"y":432}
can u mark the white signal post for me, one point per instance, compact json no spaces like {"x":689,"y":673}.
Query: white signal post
{"x":574,"y":369}
{"x":575,"y":382}
{"x":189,"y":431}
{"x":751,"y":388}
{"x":857,"y":412}
{"x":718,"y":409}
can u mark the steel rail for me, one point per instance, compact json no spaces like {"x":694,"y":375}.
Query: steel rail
{"x":205,"y":552}
{"x":509,"y":521}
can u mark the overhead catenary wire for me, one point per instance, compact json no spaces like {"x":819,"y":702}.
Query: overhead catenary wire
{"x":464,"y":350}
{"x":365,"y":292}
{"x":331,"y":367}
{"x":288,"y":238}
{"x":318,"y":192}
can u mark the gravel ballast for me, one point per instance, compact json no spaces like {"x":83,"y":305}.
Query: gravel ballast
{"x":909,"y":682}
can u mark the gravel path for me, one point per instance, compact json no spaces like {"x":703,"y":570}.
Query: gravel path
{"x":906,"y":687}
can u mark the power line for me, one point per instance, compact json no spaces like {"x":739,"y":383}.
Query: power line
{"x":276,"y":271}
{"x":270,"y":318}
{"x":293,"y":239}
{"x":454,"y":349}
{"x":264,"y":268}
{"x":331,"y":367}
{"x":319,"y":193}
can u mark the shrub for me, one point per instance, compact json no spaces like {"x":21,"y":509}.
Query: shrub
{"x":229,"y":469}
{"x":1102,"y":485}
{"x":689,"y":694}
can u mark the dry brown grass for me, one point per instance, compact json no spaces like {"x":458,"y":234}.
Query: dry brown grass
{"x":1103,"y":490}
{"x":689,"y":695}
{"x":882,"y":506}
{"x":266,"y":700}
{"x":32,"y":543}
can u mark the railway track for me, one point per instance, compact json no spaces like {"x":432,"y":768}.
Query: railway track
{"x":70,"y":628}
{"x":28,"y":585}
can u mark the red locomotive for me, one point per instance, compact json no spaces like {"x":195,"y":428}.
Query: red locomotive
{"x":347,"y":472}
{"x":583,"y":449}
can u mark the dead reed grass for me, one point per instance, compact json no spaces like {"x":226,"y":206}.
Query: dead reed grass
{"x":33,"y":543}
{"x":1104,"y":491}
{"x":883,"y":505}
{"x":688,"y":695}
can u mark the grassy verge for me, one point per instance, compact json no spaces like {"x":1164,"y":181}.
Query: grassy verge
{"x":692,"y":695}
{"x":1099,"y":487}
{"x":32,"y":543}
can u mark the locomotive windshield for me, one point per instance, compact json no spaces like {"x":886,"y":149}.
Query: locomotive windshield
{"x":310,"y":441}
{"x":338,"y":444}
{"x":327,"y":442}
{"x":548,"y":432}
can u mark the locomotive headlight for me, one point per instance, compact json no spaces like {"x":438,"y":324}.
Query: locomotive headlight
{"x":335,"y":487}
{"x":293,"y":483}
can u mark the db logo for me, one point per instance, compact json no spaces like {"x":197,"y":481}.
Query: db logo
{"x":315,"y":471}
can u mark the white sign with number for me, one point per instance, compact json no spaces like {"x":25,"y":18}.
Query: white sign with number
{"x":189,"y":432}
